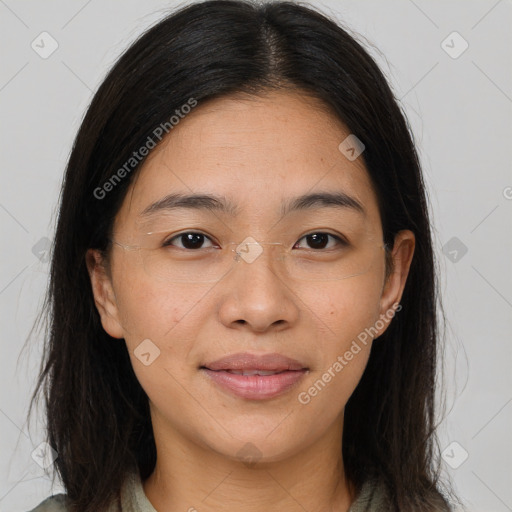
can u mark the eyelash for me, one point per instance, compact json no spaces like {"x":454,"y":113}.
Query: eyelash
{"x":168,"y":243}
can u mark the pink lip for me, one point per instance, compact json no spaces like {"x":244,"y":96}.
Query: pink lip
{"x":256,"y":387}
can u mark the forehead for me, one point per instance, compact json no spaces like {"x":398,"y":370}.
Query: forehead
{"x":257,"y":151}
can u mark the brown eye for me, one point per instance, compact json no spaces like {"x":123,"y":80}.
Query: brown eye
{"x":189,"y":240}
{"x":318,"y":241}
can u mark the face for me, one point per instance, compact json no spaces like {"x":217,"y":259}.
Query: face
{"x":280,"y":312}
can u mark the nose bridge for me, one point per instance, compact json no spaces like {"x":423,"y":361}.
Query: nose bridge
{"x":256,"y":265}
{"x":256,"y":294}
{"x":250,"y":250}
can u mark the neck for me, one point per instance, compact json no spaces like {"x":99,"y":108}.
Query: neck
{"x":189,"y":477}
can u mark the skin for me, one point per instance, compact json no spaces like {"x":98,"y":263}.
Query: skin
{"x":258,"y":152}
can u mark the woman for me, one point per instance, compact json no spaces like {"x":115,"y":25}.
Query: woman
{"x":243,"y":295}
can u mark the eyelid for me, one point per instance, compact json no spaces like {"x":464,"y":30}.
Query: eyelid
{"x":166,"y":242}
{"x":339,"y":238}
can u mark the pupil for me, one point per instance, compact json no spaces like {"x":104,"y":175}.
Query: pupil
{"x":192,"y":240}
{"x":318,"y":240}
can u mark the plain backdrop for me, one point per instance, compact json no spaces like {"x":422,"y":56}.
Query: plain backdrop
{"x":449,"y":64}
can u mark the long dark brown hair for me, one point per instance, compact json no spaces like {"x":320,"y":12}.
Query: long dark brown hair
{"x":97,"y":414}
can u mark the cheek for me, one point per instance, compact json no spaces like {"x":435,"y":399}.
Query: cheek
{"x":343,"y":314}
{"x":149,"y":309}
{"x":161,"y":324}
{"x":343,"y":309}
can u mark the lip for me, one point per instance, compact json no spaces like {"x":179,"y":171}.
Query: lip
{"x":288,"y":373}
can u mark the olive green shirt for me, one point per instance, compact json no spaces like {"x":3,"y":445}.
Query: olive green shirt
{"x":370,"y":499}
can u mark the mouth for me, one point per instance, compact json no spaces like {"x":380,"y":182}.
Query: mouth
{"x":253,"y":372}
{"x":255,"y":377}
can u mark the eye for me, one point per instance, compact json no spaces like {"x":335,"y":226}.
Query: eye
{"x":189,"y":240}
{"x":318,"y":241}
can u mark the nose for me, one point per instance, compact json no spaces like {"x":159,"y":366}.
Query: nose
{"x":256,"y":296}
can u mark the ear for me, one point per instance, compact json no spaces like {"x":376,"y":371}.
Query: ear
{"x":399,"y":262}
{"x":103,"y":292}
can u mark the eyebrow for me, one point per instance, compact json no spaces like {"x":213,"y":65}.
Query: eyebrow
{"x":224,"y":205}
{"x":192,"y":201}
{"x":323,"y":199}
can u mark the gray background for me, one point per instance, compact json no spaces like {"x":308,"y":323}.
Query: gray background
{"x":459,"y":109}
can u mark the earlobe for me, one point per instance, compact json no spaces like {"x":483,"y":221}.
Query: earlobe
{"x":401,"y":258}
{"x":103,"y":292}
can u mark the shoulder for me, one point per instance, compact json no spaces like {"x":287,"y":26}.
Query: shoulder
{"x":131,"y":498}
{"x":57,"y":503}
{"x":372,"y":497}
